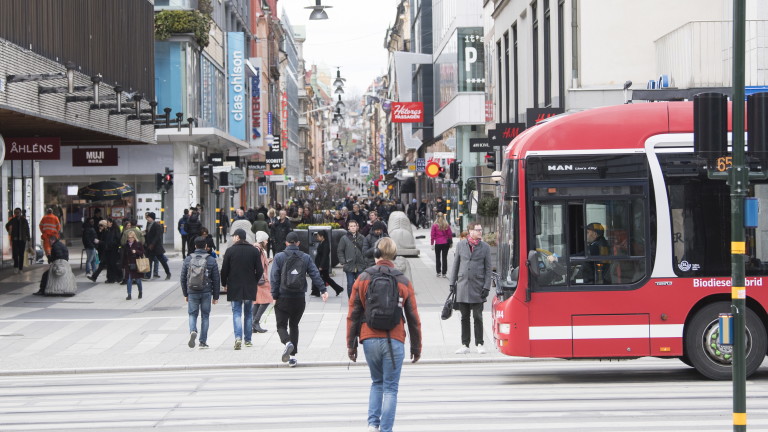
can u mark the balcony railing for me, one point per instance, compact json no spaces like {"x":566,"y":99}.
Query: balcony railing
{"x":699,"y":54}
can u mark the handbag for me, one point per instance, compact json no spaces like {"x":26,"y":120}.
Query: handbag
{"x":448,"y":306}
{"x":142,"y":265}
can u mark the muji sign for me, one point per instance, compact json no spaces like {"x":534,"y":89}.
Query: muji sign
{"x":407,"y":112}
{"x":94,"y":157}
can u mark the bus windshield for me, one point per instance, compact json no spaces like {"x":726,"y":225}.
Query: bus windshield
{"x":509,"y":230}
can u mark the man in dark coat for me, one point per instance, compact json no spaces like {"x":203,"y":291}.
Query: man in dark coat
{"x":193,"y":228}
{"x":323,"y":263}
{"x":240,"y":274}
{"x":18,"y":230}
{"x":154,"y":247}
{"x":290,"y":304}
{"x":182,"y":230}
{"x":280,"y":230}
{"x":376,"y":232}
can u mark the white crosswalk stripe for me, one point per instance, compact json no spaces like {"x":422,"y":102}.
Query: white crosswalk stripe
{"x":541,"y":396}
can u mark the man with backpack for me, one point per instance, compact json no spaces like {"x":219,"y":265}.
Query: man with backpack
{"x":240,"y":274}
{"x":381,"y":297}
{"x":288,"y":279}
{"x":199,"y":283}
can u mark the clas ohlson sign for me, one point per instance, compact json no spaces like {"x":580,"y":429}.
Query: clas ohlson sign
{"x":237,"y":111}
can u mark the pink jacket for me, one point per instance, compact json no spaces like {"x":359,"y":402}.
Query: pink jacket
{"x":440,"y":237}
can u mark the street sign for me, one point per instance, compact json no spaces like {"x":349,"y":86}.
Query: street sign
{"x":433,"y":169}
{"x":365,"y":169}
{"x":236,"y":177}
{"x":262,"y":190}
{"x":479,"y":145}
{"x":421,"y":164}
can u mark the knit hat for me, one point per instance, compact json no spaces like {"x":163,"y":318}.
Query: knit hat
{"x":378,"y":225}
{"x":240,"y":233}
{"x":261,"y":236}
{"x":292,"y":237}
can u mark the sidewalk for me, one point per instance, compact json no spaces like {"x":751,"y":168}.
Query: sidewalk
{"x":98,"y":330}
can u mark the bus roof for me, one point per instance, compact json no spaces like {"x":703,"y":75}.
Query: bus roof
{"x":606,"y":128}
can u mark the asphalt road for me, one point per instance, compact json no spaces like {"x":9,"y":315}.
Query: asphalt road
{"x":556,"y":395}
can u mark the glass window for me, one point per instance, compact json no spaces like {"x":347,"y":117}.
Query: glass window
{"x":588,"y":234}
{"x":700,"y":212}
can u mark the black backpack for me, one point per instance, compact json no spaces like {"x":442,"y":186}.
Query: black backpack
{"x":383,"y":304}
{"x":196,"y":273}
{"x":293,"y":275}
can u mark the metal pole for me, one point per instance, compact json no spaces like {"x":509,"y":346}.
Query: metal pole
{"x":739,"y":183}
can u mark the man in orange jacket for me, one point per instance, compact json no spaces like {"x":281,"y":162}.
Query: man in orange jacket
{"x":49,"y":227}
{"x":383,"y":342}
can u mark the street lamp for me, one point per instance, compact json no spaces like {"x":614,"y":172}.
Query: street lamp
{"x":318,"y":11}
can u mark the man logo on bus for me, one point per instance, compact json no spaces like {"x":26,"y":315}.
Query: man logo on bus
{"x":684,"y":266}
{"x":560,"y":167}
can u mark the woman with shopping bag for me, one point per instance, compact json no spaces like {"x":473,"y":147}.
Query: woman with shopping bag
{"x":133,"y":259}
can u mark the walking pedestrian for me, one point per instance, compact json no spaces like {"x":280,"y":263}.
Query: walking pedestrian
{"x":201,"y":286}
{"x":378,"y":231}
{"x":441,"y":238}
{"x":323,"y":263}
{"x":154,"y":247}
{"x":240,"y":274}
{"x":351,"y":251}
{"x":470,"y":279}
{"x":18,"y":231}
{"x":279,"y":232}
{"x":288,"y":279}
{"x":264,"y":289}
{"x":49,"y":227}
{"x":192,"y":228}
{"x":181,"y":227}
{"x":109,"y":252}
{"x":383,"y":340}
{"x":132,"y":249}
{"x":89,"y":245}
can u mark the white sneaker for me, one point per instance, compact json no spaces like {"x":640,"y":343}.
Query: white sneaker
{"x":463,"y":350}
{"x":292,"y":362}
{"x":481,"y":349}
{"x":372,"y":428}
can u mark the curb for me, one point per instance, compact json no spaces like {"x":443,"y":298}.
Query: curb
{"x":218,"y":366}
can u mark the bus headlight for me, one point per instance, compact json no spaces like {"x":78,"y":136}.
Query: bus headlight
{"x":504,"y":328}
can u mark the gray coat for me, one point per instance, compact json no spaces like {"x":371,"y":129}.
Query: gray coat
{"x":471,"y":272}
{"x":352,"y":253}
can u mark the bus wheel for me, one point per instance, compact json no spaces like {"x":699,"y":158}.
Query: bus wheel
{"x":713,"y":360}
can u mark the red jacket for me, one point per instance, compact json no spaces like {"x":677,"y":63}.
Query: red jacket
{"x":356,"y":315}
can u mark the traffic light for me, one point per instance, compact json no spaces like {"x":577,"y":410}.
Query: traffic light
{"x":441,"y":174}
{"x":490,"y":160}
{"x":167,"y":178}
{"x":454,"y":170}
{"x":207,"y":173}
{"x":158,"y":181}
{"x":223,"y":178}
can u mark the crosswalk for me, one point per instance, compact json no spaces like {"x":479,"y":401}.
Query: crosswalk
{"x":542,"y":396}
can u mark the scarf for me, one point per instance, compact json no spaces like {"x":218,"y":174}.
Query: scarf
{"x":472,"y":243}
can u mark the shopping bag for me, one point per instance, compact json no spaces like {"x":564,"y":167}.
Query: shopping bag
{"x":142,"y":265}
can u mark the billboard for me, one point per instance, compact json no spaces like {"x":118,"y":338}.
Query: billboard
{"x":407,"y":112}
{"x":236,"y":84}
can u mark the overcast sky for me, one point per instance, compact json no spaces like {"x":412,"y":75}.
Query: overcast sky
{"x":352,"y":37}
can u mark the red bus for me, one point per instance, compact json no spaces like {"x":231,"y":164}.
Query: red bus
{"x":614,"y":243}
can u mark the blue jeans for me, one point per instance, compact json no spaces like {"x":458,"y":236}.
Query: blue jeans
{"x":351,"y":277}
{"x":242,"y":313}
{"x":199,"y":301}
{"x":385,"y":379}
{"x":90,"y":260}
{"x":130,"y":281}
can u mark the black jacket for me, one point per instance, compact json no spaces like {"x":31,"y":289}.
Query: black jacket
{"x":194,"y":226}
{"x":323,"y":257}
{"x":18,"y":228}
{"x":89,"y":237}
{"x":279,"y":231}
{"x":154,"y":240}
{"x":241,"y":271}
{"x":59,"y":251}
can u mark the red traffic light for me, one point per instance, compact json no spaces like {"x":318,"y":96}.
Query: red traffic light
{"x":168,"y":177}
